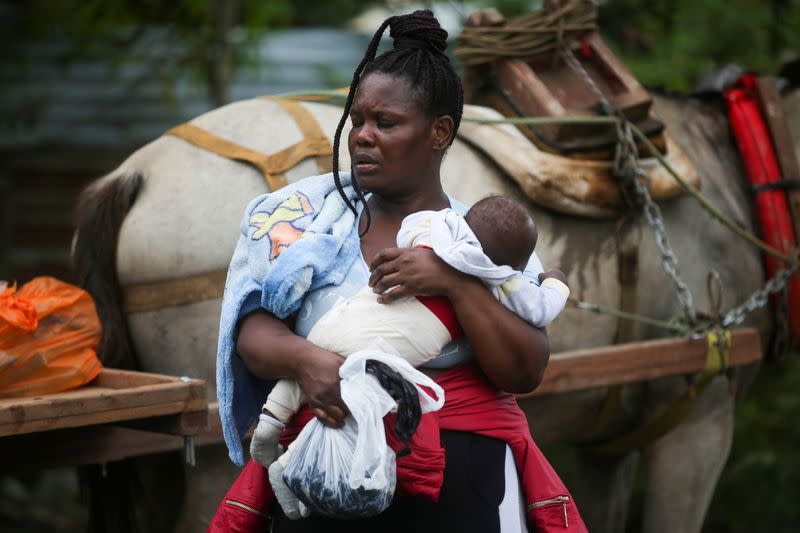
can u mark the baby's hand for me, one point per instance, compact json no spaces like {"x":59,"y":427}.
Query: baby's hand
{"x":553,"y":273}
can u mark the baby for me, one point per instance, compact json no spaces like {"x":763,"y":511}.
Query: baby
{"x":493,"y":242}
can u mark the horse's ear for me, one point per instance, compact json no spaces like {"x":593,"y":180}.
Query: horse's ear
{"x":99,"y":214}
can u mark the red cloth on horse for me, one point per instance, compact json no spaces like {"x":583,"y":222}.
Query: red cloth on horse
{"x":758,"y":154}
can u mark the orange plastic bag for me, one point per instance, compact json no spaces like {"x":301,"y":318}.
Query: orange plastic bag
{"x":49,"y":333}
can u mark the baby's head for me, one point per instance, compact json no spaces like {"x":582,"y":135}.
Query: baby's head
{"x":505,"y":230}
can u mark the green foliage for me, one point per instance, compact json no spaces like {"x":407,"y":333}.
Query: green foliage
{"x":209,"y":38}
{"x":760,"y":487}
{"x":671,"y":42}
{"x":329,"y":13}
{"x":666,"y":43}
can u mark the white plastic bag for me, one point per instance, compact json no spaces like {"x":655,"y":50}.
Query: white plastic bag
{"x":350,"y":472}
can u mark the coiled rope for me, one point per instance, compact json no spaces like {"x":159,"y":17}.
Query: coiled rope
{"x":539,"y":32}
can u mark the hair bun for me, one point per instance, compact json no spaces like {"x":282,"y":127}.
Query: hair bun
{"x":418,"y":30}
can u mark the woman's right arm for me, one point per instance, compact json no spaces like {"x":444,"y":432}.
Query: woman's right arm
{"x":270,"y":350}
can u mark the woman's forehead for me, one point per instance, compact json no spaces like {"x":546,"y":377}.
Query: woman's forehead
{"x":378,"y":91}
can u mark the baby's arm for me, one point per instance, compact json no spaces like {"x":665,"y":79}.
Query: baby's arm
{"x":538,"y":305}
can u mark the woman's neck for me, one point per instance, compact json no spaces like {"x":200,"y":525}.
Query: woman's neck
{"x":401,"y":207}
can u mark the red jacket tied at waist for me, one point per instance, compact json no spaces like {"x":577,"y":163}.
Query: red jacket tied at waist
{"x":472,"y":405}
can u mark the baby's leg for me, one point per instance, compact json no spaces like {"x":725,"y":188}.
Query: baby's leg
{"x":285,"y":400}
{"x":282,"y":403}
{"x":292,"y":507}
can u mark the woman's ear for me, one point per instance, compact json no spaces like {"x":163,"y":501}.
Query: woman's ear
{"x":442,"y":132}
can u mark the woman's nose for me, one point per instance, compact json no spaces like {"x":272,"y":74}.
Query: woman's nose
{"x":365,"y":136}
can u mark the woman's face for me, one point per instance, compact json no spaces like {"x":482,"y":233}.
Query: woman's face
{"x":395,"y":148}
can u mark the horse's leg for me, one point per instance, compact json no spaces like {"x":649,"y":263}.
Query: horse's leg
{"x":603,"y":490}
{"x":601,"y":487}
{"x":160,"y":492}
{"x":180,"y":341}
{"x":682,"y":467}
{"x":206,"y":485}
{"x":123,"y":497}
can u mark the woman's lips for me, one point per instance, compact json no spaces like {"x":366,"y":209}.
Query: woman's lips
{"x":364,"y":163}
{"x":365,"y":168}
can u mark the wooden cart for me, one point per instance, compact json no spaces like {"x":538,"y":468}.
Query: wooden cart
{"x":125,"y":414}
{"x":120,"y":414}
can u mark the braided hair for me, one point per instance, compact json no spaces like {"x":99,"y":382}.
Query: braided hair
{"x":418,"y":56}
{"x":409,"y":412}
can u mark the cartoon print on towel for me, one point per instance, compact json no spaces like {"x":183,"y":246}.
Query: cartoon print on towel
{"x":278,"y":225}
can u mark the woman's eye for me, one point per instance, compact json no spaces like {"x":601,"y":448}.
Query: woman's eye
{"x":385,"y":124}
{"x":356,"y":122}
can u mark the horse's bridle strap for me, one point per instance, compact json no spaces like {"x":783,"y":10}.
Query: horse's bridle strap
{"x":273,"y":166}
{"x":158,"y":295}
{"x":310,"y":129}
{"x":210,"y":286}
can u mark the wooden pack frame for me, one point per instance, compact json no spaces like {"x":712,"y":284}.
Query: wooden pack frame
{"x":544,"y":86}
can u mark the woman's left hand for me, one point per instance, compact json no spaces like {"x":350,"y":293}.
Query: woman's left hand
{"x":412,"y":272}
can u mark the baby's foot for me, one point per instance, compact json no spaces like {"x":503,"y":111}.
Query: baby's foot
{"x":264,"y":444}
{"x":292,"y":507}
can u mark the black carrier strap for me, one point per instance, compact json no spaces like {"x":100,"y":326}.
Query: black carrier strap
{"x":785,"y":185}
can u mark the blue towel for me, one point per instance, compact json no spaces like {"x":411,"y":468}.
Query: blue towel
{"x":292,"y":241}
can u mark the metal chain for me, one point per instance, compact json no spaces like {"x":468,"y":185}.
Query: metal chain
{"x":760,"y":297}
{"x":633,"y":179}
{"x":574,"y":64}
{"x":635,"y":193}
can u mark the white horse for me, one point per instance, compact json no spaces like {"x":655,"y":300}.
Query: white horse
{"x":172,"y":211}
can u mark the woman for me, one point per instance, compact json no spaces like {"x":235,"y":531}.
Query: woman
{"x":405,"y":107}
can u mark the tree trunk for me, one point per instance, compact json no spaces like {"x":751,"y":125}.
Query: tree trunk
{"x":220,"y":53}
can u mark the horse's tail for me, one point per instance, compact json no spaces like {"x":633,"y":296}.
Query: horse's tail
{"x":101,"y":208}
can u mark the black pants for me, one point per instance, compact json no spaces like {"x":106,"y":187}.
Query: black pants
{"x":474,"y":486}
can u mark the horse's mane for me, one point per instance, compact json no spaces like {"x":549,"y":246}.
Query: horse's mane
{"x":99,"y":213}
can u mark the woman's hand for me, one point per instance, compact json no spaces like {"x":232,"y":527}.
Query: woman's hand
{"x":319,"y":378}
{"x":271,"y":350}
{"x":511,"y":352}
{"x":412,"y":272}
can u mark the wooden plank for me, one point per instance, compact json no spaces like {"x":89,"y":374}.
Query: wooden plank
{"x":96,"y":404}
{"x":639,"y":361}
{"x":101,"y":417}
{"x":187,"y":423}
{"x":567,"y":371}
{"x":124,"y":379}
{"x":93,"y":399}
{"x":80,"y":446}
{"x":772,"y":106}
{"x":97,"y":444}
